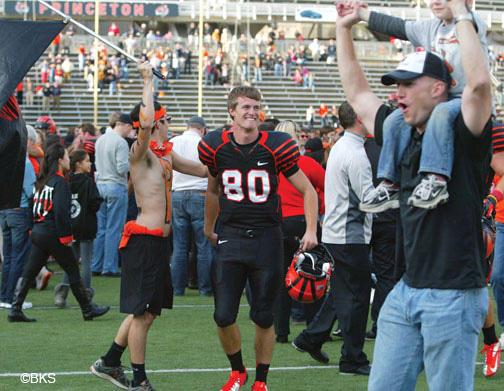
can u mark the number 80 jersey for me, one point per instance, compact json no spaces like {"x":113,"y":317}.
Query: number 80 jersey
{"x":248,"y":175}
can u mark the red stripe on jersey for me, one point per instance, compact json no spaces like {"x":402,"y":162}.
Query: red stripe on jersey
{"x":207,"y":146}
{"x":283,"y":145}
{"x":264,"y":137}
{"x":225,"y":137}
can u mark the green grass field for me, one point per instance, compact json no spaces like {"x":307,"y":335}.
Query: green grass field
{"x":183,"y":349}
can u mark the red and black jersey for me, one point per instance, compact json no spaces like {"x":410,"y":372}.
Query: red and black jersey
{"x":248,"y":175}
{"x":51,"y":209}
{"x":497,"y":146}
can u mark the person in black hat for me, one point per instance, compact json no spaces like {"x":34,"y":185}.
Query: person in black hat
{"x":315,"y":149}
{"x":433,"y":314}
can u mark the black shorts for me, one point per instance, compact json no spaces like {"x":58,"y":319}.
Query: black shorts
{"x":253,"y":255}
{"x":146,"y":278}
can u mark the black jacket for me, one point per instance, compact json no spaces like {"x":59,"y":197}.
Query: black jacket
{"x":51,"y":209}
{"x":86,"y":201}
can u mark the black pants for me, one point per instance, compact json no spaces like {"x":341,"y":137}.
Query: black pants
{"x":293,"y":229}
{"x":383,"y":256}
{"x":347,"y":301}
{"x":42,"y":247}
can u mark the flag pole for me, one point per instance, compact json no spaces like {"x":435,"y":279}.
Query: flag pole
{"x":97,"y":36}
{"x":96,"y":65}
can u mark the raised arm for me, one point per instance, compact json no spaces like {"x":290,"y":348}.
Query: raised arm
{"x":146,"y":114}
{"x":476,"y":97}
{"x":381,"y":23}
{"x":357,"y":90}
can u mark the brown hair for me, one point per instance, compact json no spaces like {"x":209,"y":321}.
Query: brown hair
{"x":245,"y":91}
{"x":77,"y":156}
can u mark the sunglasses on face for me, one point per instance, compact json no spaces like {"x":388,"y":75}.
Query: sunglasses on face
{"x":165,"y":119}
{"x":303,"y":136}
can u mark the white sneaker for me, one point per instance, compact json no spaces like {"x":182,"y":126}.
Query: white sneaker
{"x":26,"y":305}
{"x":5,"y":305}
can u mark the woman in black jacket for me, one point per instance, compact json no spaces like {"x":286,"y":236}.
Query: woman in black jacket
{"x":86,"y":201}
{"x":52,"y":234}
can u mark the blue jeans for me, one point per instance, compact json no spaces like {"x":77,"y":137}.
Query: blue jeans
{"x":258,"y":75}
{"x":437,"y":142}
{"x":111,"y":219}
{"x":278,"y":70}
{"x":497,"y":279}
{"x":188,"y":212}
{"x":82,"y":249}
{"x":15,"y":225}
{"x":432,"y":329}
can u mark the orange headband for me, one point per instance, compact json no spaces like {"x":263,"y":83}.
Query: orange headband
{"x":157,"y":115}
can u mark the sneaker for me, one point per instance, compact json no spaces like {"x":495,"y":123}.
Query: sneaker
{"x":429,"y":193}
{"x":236,"y":381}
{"x":364,"y":370}
{"x":371,"y":335}
{"x":144,"y":386}
{"x":316,"y":353}
{"x":113,"y":374}
{"x":27,"y":305}
{"x":5,"y":305}
{"x":259,"y":386}
{"x":385,"y":196}
{"x":492,"y":359}
{"x":42,"y":279}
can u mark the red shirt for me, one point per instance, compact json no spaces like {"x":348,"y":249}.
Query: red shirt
{"x":323,"y":111}
{"x":292,"y":200}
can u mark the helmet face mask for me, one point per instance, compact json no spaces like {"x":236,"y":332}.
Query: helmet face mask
{"x":307,"y":279}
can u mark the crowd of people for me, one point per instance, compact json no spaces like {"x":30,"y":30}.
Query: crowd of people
{"x":335,"y":193}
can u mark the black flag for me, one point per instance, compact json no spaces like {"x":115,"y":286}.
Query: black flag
{"x":22,"y":44}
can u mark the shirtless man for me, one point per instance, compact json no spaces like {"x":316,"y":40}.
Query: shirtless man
{"x":146,"y":278}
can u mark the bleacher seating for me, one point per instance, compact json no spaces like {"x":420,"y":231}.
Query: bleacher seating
{"x":282,"y":98}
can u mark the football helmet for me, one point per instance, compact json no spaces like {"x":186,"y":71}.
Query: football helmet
{"x":307,"y":279}
{"x":47,"y":124}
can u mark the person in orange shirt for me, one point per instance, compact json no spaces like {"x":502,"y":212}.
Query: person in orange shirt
{"x":323,"y":111}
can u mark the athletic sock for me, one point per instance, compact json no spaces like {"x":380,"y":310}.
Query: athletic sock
{"x":113,"y":356}
{"x":489,"y":336}
{"x":261,"y":372}
{"x":236,"y":361}
{"x":138,"y":374}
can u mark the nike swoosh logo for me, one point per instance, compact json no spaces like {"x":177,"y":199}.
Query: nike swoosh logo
{"x":222,"y":241}
{"x":494,"y":369}
{"x":262,"y":163}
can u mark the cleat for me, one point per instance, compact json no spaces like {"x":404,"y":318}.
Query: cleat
{"x":144,"y":386}
{"x":492,"y":359}
{"x":338,"y":333}
{"x":115,"y":375}
{"x":236,"y":381}
{"x":259,"y":386}
{"x":385,"y":196}
{"x":365,"y":370}
{"x":429,"y":193}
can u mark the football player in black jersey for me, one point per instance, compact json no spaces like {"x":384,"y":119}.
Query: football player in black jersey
{"x":242,"y":192}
